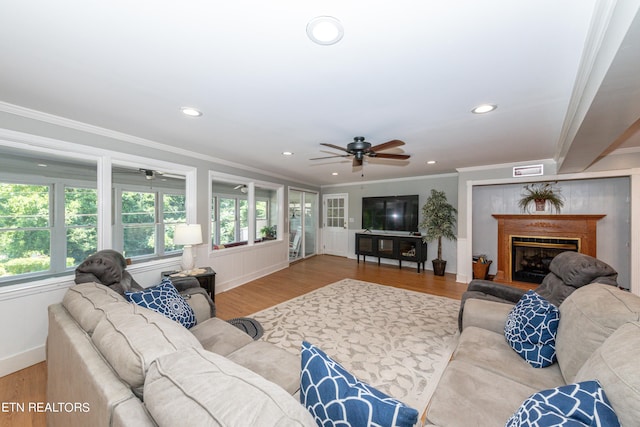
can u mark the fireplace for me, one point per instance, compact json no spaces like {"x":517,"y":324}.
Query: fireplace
{"x":531,"y":256}
{"x":532,"y":240}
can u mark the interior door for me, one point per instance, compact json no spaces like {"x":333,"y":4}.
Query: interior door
{"x":335,"y":230}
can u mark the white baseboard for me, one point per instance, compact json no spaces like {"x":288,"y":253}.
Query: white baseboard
{"x":238,"y":281}
{"x":22,"y":360}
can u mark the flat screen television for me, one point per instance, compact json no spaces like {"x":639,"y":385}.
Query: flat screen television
{"x":390,"y":213}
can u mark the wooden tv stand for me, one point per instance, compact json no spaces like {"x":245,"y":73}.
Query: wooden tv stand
{"x":392,"y":246}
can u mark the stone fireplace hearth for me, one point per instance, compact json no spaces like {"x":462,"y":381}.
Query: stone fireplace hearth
{"x":528,"y":243}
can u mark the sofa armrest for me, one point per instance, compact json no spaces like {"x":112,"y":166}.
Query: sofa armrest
{"x":496,"y":290}
{"x":200,"y":302}
{"x":490,"y":315}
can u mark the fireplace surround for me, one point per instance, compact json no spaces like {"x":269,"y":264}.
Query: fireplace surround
{"x":532,"y":240}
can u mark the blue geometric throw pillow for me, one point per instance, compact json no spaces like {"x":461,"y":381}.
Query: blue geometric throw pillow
{"x":165,"y":299}
{"x":575,"y":405}
{"x":531,"y":329}
{"x":336,"y":398}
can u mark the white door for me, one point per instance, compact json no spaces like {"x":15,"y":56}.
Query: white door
{"x":335,"y":231}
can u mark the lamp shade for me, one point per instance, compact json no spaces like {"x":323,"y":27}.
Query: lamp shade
{"x":187,"y":234}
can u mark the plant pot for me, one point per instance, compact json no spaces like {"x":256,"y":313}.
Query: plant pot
{"x":541,"y":205}
{"x":438,"y":266}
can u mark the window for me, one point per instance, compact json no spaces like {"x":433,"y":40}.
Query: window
{"x":25,"y":228}
{"x":266,"y":213}
{"x":36,"y":237}
{"x":145,"y":233}
{"x":138,"y":223}
{"x":233,"y":220}
{"x":173,"y":212}
{"x":147,"y":206}
{"x":51,"y":218}
{"x":81,"y":223}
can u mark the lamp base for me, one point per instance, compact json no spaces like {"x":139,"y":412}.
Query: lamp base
{"x":188,"y":260}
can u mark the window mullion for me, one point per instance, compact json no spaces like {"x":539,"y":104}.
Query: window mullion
{"x":58,"y":233}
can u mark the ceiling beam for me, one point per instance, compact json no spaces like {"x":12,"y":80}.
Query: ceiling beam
{"x":606,"y":99}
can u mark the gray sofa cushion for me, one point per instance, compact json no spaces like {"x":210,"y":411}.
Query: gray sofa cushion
{"x":468,"y":395}
{"x":576,"y":269}
{"x":131,"y":338}
{"x":489,"y":350}
{"x":615,"y":366}
{"x":88,"y":302}
{"x":196,"y":387}
{"x":587,"y":318}
{"x":273,"y":363}
{"x":220,"y":337}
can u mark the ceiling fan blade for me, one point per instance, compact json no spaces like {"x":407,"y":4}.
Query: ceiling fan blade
{"x":357,"y":162}
{"x":390,"y":156}
{"x":386,"y":145}
{"x":334,"y":146}
{"x":331,"y":157}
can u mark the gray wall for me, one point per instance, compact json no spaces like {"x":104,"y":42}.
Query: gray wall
{"x":418,"y":185}
{"x":609,"y":196}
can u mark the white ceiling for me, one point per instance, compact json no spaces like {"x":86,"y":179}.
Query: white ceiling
{"x":409,"y":70}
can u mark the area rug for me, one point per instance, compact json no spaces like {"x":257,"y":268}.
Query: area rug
{"x":396,"y":340}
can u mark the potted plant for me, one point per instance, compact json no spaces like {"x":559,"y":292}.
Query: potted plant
{"x":439,"y":219}
{"x":268,"y":232}
{"x":541,"y":194}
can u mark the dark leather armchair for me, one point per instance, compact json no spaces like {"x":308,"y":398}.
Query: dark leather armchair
{"x":108,"y":267}
{"x":568,"y":271}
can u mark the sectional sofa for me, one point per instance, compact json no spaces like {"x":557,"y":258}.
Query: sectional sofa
{"x":486,"y":381}
{"x":113,"y":363}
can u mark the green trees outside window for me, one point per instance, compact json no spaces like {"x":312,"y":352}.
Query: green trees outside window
{"x":27,"y":224}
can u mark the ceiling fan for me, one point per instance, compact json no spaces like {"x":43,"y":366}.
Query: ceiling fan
{"x":360,"y":148}
{"x":148,"y":174}
{"x":242,"y":187}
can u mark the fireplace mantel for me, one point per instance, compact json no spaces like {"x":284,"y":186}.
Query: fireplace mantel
{"x":581,"y":227}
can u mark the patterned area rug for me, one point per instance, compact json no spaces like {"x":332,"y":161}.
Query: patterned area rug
{"x":396,"y":340}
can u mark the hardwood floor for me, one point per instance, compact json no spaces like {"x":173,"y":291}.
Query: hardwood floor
{"x":29,"y":385}
{"x":20,"y":388}
{"x":321,"y":270}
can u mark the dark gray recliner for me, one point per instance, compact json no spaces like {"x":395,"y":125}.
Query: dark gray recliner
{"x":568,"y":271}
{"x":108,"y":267}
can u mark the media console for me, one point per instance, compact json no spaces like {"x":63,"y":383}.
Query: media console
{"x":407,"y":248}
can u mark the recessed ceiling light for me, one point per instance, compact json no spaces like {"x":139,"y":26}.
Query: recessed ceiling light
{"x":334,"y":173}
{"x":42,"y":165}
{"x":191,"y":112}
{"x":325,"y":30}
{"x":484,"y":108}
{"x":431,"y":162}
{"x":287,"y":153}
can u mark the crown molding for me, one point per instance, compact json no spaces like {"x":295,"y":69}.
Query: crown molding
{"x":120,"y":136}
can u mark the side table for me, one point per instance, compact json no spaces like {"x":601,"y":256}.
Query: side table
{"x":207,"y":279}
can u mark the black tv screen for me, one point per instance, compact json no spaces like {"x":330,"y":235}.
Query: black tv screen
{"x":391,"y":213}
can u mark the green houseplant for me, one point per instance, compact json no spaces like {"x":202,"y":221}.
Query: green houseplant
{"x":541,"y":194}
{"x":268,"y":232}
{"x":439,"y":219}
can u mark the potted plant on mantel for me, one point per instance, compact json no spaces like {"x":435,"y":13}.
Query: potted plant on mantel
{"x":541,"y":194}
{"x":439,"y":219}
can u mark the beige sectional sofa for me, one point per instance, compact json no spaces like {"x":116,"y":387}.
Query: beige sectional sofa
{"x":113,"y":363}
{"x":486,"y":381}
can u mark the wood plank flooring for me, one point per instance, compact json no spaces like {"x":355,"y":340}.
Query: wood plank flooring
{"x":29,"y":385}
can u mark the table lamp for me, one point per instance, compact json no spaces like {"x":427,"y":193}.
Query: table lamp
{"x":187,"y":235}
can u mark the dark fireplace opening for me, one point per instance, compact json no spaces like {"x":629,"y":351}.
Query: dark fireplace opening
{"x":531,"y":256}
